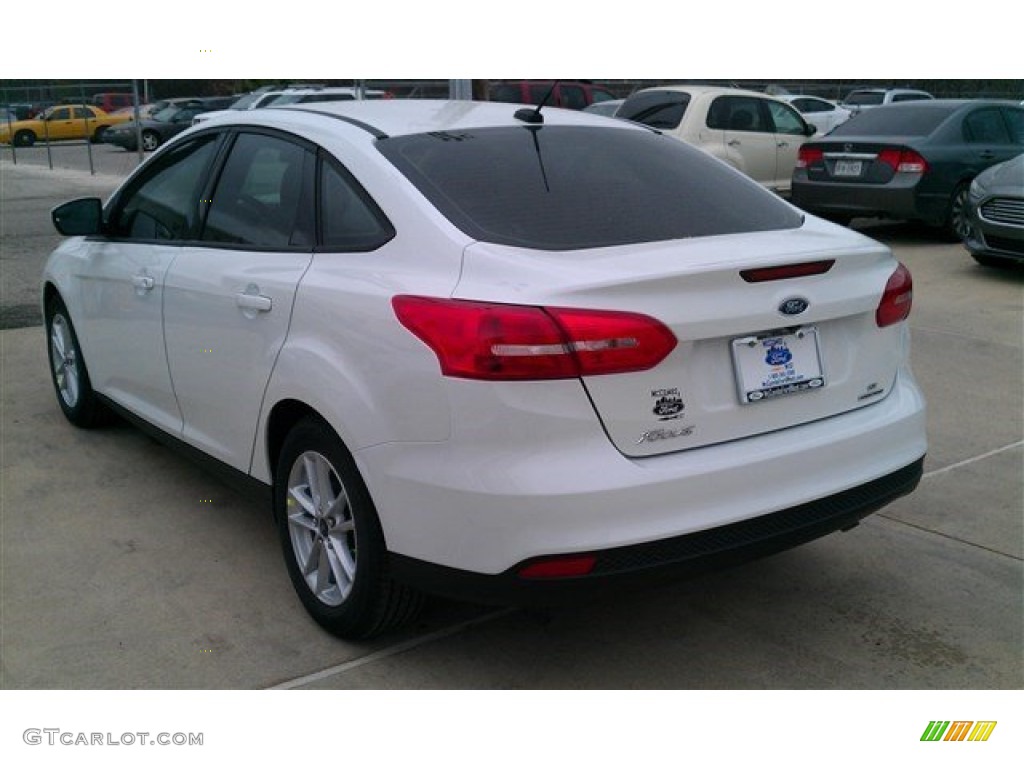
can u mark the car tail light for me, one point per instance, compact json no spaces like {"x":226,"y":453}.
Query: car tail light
{"x":808,"y":156}
{"x":903,"y":160}
{"x":765,"y":274}
{"x":896,"y":299}
{"x":508,"y":342}
{"x":559,"y":567}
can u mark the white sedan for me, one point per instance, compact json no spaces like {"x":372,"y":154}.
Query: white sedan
{"x":823,"y":114}
{"x":486,"y":350}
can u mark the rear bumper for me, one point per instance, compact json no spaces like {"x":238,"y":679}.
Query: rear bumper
{"x":467,"y":506}
{"x":899,"y":199}
{"x":669,"y":558}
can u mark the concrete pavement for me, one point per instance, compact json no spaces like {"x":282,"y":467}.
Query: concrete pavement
{"x":124,"y":566}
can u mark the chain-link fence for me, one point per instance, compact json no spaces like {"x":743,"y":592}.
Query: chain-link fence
{"x":50,"y":120}
{"x":58,"y":123}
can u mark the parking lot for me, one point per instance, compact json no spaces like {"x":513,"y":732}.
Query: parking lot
{"x":125,"y":566}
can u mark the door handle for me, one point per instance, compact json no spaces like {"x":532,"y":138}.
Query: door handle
{"x":734,"y":143}
{"x":782,"y":144}
{"x":143,"y":282}
{"x":253,"y":302}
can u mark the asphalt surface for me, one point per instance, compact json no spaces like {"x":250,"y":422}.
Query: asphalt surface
{"x":124,"y":566}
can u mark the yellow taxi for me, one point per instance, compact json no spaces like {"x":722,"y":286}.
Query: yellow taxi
{"x":67,"y":121}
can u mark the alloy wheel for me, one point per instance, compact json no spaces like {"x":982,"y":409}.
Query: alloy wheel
{"x":65,"y":361}
{"x":321,"y":528}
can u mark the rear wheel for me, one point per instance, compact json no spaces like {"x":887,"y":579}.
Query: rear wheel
{"x":67,"y":369}
{"x":97,"y":135}
{"x":332,"y":540}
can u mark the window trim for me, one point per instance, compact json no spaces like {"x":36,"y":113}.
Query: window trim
{"x":117,"y":203}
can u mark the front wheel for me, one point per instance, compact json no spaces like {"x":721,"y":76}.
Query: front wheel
{"x":332,"y":540}
{"x":958,"y":223}
{"x":150,"y":140}
{"x":67,"y":369}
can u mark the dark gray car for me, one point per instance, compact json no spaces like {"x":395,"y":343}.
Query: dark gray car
{"x":995,"y":211}
{"x":157,"y":129}
{"x":911,"y":161}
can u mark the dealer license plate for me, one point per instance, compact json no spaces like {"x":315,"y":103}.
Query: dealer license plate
{"x":772,"y":365}
{"x":847,"y":168}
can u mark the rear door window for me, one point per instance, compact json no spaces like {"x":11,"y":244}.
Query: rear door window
{"x":985,"y":126}
{"x":1015,"y":124}
{"x":738,"y":113}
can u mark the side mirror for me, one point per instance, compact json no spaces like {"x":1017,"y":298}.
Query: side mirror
{"x":83,"y":216}
{"x":811,"y":129}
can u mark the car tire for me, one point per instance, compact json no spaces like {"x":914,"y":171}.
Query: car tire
{"x":97,"y":136}
{"x":842,"y":219}
{"x":68,"y":372}
{"x":150,"y":140}
{"x":958,"y":225}
{"x":332,"y":540}
{"x":24,"y":138}
{"x":992,"y":262}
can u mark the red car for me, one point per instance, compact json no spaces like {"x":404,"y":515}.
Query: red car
{"x":568,"y":94}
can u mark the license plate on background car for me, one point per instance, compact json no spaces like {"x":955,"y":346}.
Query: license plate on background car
{"x":847,"y":168}
{"x":772,"y":365}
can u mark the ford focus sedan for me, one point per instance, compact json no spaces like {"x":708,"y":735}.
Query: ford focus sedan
{"x":488,"y":351}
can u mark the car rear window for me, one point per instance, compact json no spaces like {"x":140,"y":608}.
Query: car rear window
{"x":658,"y":109}
{"x":894,"y":120}
{"x":568,"y":187}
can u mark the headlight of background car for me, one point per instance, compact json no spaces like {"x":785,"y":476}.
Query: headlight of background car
{"x":976,"y":192}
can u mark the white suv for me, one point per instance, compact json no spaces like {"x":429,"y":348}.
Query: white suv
{"x":757,"y":134}
{"x":868,"y":98}
{"x":488,"y":350}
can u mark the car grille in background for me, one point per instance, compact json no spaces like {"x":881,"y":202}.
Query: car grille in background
{"x":1004,"y":210}
{"x":1005,"y":244}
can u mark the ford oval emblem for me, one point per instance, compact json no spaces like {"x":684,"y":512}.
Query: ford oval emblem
{"x":794,"y":306}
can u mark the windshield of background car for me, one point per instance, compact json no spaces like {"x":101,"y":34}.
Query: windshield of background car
{"x":568,"y":187}
{"x":894,"y":120}
{"x":659,"y":109}
{"x":165,"y":115}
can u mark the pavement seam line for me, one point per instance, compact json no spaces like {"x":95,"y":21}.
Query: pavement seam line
{"x":388,"y":652}
{"x":454,"y":629}
{"x":972,"y":460}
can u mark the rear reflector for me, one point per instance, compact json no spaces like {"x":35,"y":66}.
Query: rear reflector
{"x":559,"y":567}
{"x":896,"y":299}
{"x":764,"y":274}
{"x":510,"y":342}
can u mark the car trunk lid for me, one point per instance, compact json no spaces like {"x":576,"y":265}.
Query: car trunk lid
{"x":758,"y":349}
